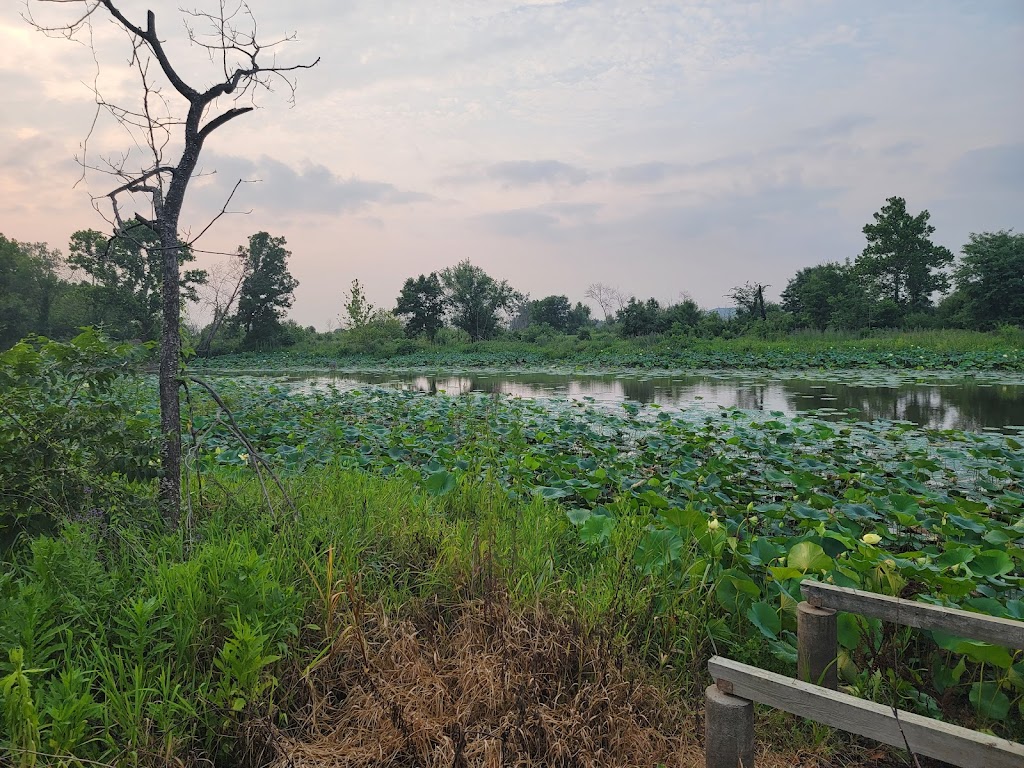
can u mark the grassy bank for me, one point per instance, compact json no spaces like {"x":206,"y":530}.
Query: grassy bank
{"x":931,"y":350}
{"x":474,"y":577}
{"x":383,"y":626}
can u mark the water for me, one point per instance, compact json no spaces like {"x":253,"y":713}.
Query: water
{"x":994,"y":401}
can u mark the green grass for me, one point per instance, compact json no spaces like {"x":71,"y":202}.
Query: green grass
{"x":134,"y":652}
{"x":659,"y":538}
{"x":931,"y":350}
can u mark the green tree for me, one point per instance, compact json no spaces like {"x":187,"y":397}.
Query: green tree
{"x":358,"y":311}
{"x":902,"y":263}
{"x":557,"y":312}
{"x":29,"y":285}
{"x":578,"y":319}
{"x":639,"y":318}
{"x":682,"y":316}
{"x":476,"y":299}
{"x":990,"y":279}
{"x":551,"y":310}
{"x":749,"y":300}
{"x":126,"y":275}
{"x":422,"y":304}
{"x":827,"y":295}
{"x":267,"y":289}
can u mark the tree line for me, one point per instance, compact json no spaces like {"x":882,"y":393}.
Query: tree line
{"x":116,"y":282}
{"x":901,"y":279}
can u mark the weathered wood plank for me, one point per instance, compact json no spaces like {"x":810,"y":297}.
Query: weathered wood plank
{"x":1008,"y":633}
{"x":817,"y":632}
{"x":952,"y":743}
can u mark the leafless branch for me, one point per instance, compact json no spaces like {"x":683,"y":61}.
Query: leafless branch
{"x":222,"y":212}
{"x":150,"y":127}
{"x":258,"y":459}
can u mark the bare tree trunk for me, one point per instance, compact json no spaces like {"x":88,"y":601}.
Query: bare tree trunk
{"x":236,"y":52}
{"x":170,"y":362}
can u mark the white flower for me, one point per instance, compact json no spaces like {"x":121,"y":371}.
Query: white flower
{"x":713,"y":524}
{"x":871,"y":538}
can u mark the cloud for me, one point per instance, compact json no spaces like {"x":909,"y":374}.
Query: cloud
{"x":312,"y":189}
{"x":901,"y":148}
{"x":521,"y":173}
{"x":657,"y":146}
{"x":813,"y":140}
{"x":645,"y":173}
{"x":737,"y":211}
{"x":548,"y":221}
{"x":1000,"y":167}
{"x":841,"y":126}
{"x":519,"y":223}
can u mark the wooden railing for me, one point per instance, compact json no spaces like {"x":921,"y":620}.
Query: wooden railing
{"x":729,"y":703}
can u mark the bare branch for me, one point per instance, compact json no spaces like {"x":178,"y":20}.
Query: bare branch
{"x":150,"y":127}
{"x":133,"y":185}
{"x":223,"y":211}
{"x":218,"y":121}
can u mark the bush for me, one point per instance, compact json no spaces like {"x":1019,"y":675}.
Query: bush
{"x":72,"y":442}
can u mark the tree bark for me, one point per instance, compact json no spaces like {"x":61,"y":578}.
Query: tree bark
{"x":167,"y":207}
{"x":170,"y":361}
{"x":168,"y":214}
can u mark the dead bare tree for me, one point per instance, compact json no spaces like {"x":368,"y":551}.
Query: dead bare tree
{"x":609,"y":299}
{"x":228,"y":36}
{"x":219,"y":296}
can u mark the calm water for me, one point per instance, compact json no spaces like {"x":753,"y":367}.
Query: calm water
{"x":994,"y":402}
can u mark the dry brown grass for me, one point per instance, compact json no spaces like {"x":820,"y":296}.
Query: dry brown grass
{"x":483,"y":685}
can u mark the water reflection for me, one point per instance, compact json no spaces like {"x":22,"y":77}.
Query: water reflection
{"x":938,"y":403}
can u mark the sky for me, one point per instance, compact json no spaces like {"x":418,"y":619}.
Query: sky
{"x":663,"y":148}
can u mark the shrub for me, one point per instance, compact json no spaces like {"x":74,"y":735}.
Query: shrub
{"x":71,"y":440}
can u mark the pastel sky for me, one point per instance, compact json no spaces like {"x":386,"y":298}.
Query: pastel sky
{"x":660,"y":147}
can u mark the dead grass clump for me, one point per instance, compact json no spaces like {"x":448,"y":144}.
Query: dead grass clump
{"x":478,"y":685}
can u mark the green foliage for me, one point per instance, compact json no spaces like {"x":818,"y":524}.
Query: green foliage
{"x":684,"y":317}
{"x":125,"y":277}
{"x":990,"y":280}
{"x":19,"y":711}
{"x":242,"y":663}
{"x":268,"y":289}
{"x":476,"y":299}
{"x":900,"y":259}
{"x":828,"y":296}
{"x":381,"y":331}
{"x":665,"y":535}
{"x":453,"y":349}
{"x":29,"y":286}
{"x":422,"y":304}
{"x":750,"y":504}
{"x":358,"y":311}
{"x":71,"y":441}
{"x":639,"y":318}
{"x":749,"y":301}
{"x":646,"y":318}
{"x":559,"y":314}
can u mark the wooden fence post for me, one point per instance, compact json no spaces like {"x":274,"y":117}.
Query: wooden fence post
{"x":817,"y":645}
{"x":728,"y":730}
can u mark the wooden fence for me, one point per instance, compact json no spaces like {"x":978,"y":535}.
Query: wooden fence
{"x":729,"y":703}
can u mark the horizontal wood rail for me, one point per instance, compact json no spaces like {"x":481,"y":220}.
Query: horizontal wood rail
{"x":729,"y":708}
{"x":924,"y":736}
{"x":1008,"y":633}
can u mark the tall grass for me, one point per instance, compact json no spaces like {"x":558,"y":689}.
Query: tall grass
{"x":948,"y":348}
{"x":131,"y":653}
